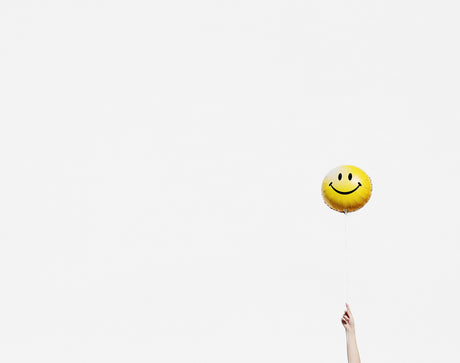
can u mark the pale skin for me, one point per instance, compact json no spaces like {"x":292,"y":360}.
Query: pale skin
{"x":348,"y":323}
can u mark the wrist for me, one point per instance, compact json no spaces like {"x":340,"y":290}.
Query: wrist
{"x":351,"y":332}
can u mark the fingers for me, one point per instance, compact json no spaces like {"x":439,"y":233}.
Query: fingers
{"x":345,"y":323}
{"x":348,"y":310}
{"x":348,"y":307}
{"x":347,"y":316}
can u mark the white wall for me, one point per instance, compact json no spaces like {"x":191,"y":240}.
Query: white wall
{"x":161,"y":165}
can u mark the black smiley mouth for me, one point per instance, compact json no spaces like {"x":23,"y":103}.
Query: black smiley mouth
{"x":344,"y":193}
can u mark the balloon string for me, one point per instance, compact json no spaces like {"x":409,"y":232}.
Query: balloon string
{"x":346,"y":259}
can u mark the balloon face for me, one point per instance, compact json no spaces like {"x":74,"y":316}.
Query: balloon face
{"x":346,"y":188}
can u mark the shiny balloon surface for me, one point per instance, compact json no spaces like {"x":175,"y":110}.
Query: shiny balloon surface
{"x":346,"y":188}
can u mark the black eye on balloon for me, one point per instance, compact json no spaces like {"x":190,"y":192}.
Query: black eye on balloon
{"x":340,"y":176}
{"x":350,"y":176}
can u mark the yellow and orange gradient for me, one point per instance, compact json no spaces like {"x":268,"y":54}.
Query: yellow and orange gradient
{"x":346,"y":188}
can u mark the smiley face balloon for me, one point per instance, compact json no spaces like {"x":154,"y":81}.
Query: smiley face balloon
{"x":346,"y":188}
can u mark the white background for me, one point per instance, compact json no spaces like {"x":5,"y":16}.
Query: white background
{"x":161,"y":165}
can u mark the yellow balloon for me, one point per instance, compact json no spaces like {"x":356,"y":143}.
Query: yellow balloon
{"x":346,"y":188}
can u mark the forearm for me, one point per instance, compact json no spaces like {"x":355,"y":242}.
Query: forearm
{"x":352,"y":348}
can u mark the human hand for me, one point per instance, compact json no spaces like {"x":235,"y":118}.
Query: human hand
{"x":348,"y":321}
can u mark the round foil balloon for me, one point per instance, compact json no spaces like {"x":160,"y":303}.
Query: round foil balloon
{"x":346,"y":188}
